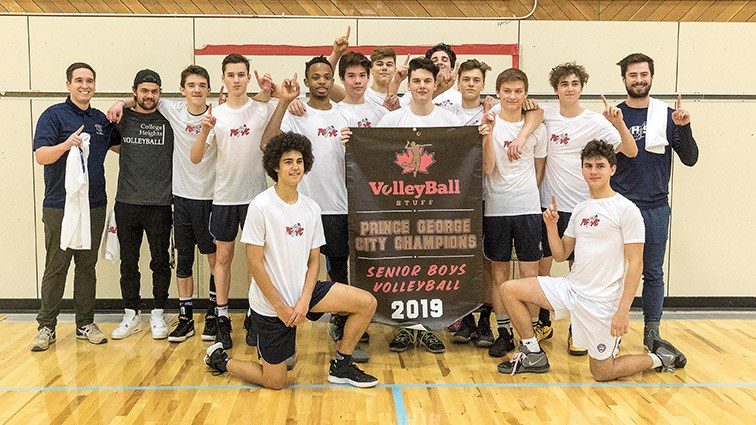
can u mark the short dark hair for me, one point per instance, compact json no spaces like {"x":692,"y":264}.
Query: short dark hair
{"x":78,"y":65}
{"x":471,"y":64}
{"x":422,"y":63}
{"x":635,"y":58}
{"x":234,"y":58}
{"x":443,"y":47}
{"x":313,"y":61}
{"x":354,"y":59}
{"x":383,"y":52}
{"x":282,"y":143}
{"x":599,"y":149}
{"x":511,"y":74}
{"x":565,"y":70}
{"x":195,"y":70}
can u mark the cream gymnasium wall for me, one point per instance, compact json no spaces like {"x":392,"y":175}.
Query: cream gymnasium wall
{"x":710,"y":253}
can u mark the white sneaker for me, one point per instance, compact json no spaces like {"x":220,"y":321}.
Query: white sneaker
{"x":157,"y":324}
{"x":131,"y":324}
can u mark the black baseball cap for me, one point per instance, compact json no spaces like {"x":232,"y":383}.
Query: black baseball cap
{"x":147,"y":76}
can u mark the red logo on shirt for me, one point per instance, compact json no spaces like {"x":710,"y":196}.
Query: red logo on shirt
{"x":415,"y":159}
{"x":560,"y":139}
{"x":112,"y":229}
{"x":507,"y":143}
{"x":238,"y":132}
{"x":590,"y":221}
{"x":446,"y":102}
{"x":193,"y":129}
{"x":364,"y":123}
{"x":330,"y":131}
{"x":295,"y":230}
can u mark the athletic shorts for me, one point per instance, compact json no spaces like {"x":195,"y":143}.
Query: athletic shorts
{"x":591,"y":320}
{"x":564,"y":220}
{"x":336,"y":229}
{"x":225,"y":221}
{"x":499,"y":234}
{"x":276,"y":342}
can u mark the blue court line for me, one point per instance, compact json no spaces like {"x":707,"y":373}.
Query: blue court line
{"x":401,"y":411}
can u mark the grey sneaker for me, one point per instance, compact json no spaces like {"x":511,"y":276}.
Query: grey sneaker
{"x":670,"y":356}
{"x":526,"y":362}
{"x":45,"y":337}
{"x":91,"y":333}
{"x":359,"y":355}
{"x":430,"y":342}
{"x":291,"y":362}
{"x":650,"y":333}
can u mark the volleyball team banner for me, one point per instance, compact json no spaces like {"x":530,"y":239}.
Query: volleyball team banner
{"x":415,"y":222}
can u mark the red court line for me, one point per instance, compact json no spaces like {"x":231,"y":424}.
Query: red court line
{"x":291,"y":50}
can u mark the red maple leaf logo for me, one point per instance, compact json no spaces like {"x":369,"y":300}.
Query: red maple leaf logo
{"x":415,"y":159}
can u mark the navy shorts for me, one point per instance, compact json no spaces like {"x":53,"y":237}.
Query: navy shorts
{"x":564,"y":220}
{"x":500,"y":233}
{"x":191,"y":226}
{"x":336,"y":229}
{"x":225,"y":221}
{"x":276,"y":342}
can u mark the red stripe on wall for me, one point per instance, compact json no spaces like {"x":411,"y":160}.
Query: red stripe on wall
{"x":289,"y":50}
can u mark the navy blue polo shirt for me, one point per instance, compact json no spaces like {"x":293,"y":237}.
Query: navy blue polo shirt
{"x":53,"y":127}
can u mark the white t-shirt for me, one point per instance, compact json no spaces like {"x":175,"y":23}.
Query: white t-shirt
{"x":326,"y":182}
{"x":566,"y":138}
{"x":601,"y":228}
{"x":374,"y":97}
{"x":447,"y":99}
{"x":239,"y":172}
{"x":362,"y":115}
{"x":191,"y":181}
{"x":288,"y":233}
{"x":467,"y":116}
{"x":512,"y":188}
{"x":404,"y":117}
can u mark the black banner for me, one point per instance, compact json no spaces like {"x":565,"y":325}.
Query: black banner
{"x":415,"y":221}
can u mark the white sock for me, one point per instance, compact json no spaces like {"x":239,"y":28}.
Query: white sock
{"x":534,"y":321}
{"x":222,"y":311}
{"x":531,"y":344}
{"x":656,"y":360}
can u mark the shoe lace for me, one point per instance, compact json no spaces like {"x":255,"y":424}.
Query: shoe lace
{"x":517,"y":359}
{"x":125,"y":322}
{"x":430,"y":338}
{"x":46,"y":332}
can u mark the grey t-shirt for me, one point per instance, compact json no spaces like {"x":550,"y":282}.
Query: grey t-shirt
{"x":146,"y":161}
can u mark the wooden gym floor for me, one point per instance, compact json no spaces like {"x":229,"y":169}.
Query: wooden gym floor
{"x":141,"y":381}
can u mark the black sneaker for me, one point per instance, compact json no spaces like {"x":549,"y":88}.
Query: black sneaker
{"x":402,"y":341}
{"x":351,"y":375}
{"x":504,"y":343}
{"x":211,"y":328}
{"x":216,"y":358}
{"x":184,"y":330}
{"x":526,"y":362}
{"x":224,"y":333}
{"x":650,"y":334}
{"x":365,"y":338}
{"x":251,"y":338}
{"x":466,"y":330}
{"x":670,"y":356}
{"x":336,"y":327}
{"x":430,"y":342}
{"x":484,"y":336}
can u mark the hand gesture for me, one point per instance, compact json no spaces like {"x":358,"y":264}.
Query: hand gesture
{"x":620,"y":323}
{"x":296,"y":108}
{"x":680,"y":116}
{"x":74,"y":139}
{"x":290,"y":89}
{"x":208,"y":121}
{"x":612,"y":113}
{"x":340,"y":44}
{"x":551,"y":215}
{"x":115,"y":113}
{"x":221,"y":96}
{"x":401,"y":71}
{"x":529,"y":105}
{"x":391,"y":102}
{"x":488,"y":102}
{"x":346,"y":134}
{"x":487,"y":121}
{"x":265,"y":82}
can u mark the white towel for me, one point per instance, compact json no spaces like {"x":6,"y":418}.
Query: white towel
{"x":112,"y":249}
{"x":656,"y":126}
{"x":76,"y":232}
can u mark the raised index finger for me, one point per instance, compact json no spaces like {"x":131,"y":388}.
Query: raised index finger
{"x":210,"y":110}
{"x":553,"y":200}
{"x":406,"y":61}
{"x":679,"y":101}
{"x":78,"y":132}
{"x":257,"y":76}
{"x":606,"y":104}
{"x":349,"y":31}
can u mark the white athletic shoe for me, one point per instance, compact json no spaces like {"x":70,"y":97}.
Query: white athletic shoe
{"x":131,"y":324}
{"x":157,"y":324}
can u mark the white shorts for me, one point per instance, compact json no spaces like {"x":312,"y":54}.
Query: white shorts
{"x":591,"y":320}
